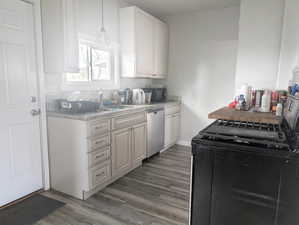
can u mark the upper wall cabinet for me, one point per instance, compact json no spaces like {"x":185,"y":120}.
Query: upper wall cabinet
{"x":60,"y":36}
{"x":144,"y":44}
{"x":161,"y":49}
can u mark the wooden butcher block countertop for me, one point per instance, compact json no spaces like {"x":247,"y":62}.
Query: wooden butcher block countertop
{"x":227,"y":113}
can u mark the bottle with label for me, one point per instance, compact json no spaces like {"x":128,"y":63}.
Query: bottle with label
{"x":266,"y":101}
{"x":279,"y":109}
{"x":246,"y":91}
{"x":274,"y":101}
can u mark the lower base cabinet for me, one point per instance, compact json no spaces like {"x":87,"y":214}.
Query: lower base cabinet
{"x":100,"y":174}
{"x":121,"y":151}
{"x":172,"y":127}
{"x":128,"y":149}
{"x":139,"y":144}
{"x":86,"y":156}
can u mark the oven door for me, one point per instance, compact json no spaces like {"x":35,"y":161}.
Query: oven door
{"x":289,"y":197}
{"x":245,"y":189}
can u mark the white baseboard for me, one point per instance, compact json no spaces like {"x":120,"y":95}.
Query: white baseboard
{"x":163,"y":150}
{"x":184,"y":143}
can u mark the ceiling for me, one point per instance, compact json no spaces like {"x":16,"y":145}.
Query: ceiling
{"x":169,"y":7}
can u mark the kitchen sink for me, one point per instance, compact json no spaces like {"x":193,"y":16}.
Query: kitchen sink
{"x":117,"y":107}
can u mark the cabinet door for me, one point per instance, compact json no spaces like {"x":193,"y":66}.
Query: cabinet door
{"x":121,"y":152}
{"x":139,"y":143}
{"x":175,"y":128}
{"x":71,"y":41}
{"x":161,"y":49}
{"x":202,"y":175}
{"x":168,"y":130}
{"x":144,"y":44}
{"x":289,"y":198}
{"x":172,"y":129}
{"x":60,"y":36}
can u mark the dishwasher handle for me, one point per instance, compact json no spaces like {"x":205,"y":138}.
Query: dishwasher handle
{"x":155,"y":110}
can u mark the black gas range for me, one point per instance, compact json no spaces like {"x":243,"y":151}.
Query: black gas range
{"x":262,"y":135}
{"x":245,"y":173}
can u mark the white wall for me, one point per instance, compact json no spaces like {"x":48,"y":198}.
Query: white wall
{"x":88,"y":23}
{"x":289,"y":58}
{"x":203,"y":50}
{"x":259,"y":42}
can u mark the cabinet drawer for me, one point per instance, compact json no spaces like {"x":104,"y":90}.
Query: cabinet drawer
{"x":99,"y":142}
{"x":98,"y":127}
{"x":98,"y":156}
{"x":99,"y":175}
{"x":128,"y":120}
{"x":172,"y":109}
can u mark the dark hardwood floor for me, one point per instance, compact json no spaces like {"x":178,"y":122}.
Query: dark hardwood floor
{"x":155,"y":194}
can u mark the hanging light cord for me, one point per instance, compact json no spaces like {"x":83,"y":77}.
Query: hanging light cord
{"x":102,"y":28}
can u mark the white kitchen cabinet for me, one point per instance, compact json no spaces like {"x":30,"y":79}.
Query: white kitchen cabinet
{"x":139,"y":143}
{"x":144,"y":44}
{"x":128,"y":147}
{"x":88,"y":155}
{"x":60,"y":36}
{"x":175,"y":128}
{"x":121,"y":151}
{"x":172,"y":125}
{"x":168,"y":132}
{"x":161,"y":49}
{"x":80,"y":159}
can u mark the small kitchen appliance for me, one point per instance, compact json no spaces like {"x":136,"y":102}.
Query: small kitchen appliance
{"x":158,"y":94}
{"x":138,"y":97}
{"x":125,"y":96}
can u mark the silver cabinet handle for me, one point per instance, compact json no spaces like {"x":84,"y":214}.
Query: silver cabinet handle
{"x":98,"y":127}
{"x":100,"y":174}
{"x":100,"y":156}
{"x":99,"y":142}
{"x":35,"y":112}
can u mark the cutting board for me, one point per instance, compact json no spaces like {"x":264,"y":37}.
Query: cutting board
{"x":227,"y":113}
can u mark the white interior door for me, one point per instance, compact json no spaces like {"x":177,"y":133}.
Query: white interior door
{"x":20,"y":149}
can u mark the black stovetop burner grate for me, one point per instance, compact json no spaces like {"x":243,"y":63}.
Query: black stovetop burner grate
{"x":250,"y":125}
{"x":250,"y":133}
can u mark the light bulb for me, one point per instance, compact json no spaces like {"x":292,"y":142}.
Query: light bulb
{"x":103,"y":38}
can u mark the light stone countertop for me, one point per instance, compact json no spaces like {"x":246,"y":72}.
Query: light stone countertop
{"x":110,"y":113}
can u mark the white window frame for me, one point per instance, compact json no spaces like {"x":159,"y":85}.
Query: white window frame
{"x":113,"y":83}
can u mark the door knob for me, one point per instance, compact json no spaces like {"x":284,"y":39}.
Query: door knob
{"x":33,"y":99}
{"x":35,"y":112}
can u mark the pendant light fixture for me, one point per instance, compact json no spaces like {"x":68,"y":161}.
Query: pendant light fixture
{"x":103,"y":38}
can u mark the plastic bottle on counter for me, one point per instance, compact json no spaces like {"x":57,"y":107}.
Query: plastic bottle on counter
{"x":266,"y":101}
{"x":274,"y":100}
{"x":258,"y":98}
{"x":246,"y":91}
{"x":279,"y":109}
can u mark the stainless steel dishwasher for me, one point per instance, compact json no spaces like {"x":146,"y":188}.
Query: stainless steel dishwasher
{"x":156,"y":131}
